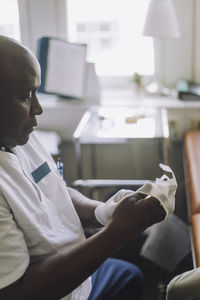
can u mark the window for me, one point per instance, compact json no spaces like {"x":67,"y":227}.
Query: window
{"x":112,"y":31}
{"x":9,"y":19}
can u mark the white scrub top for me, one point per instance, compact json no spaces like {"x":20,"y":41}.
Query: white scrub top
{"x":37,"y":216}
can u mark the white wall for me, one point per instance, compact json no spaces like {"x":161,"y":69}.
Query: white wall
{"x":42,"y":18}
{"x":177,"y":54}
{"x":181,"y":56}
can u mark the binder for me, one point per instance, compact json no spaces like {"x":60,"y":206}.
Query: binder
{"x":63,"y":67}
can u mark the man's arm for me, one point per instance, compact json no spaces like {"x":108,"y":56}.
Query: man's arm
{"x":59,"y":274}
{"x":85,"y":208}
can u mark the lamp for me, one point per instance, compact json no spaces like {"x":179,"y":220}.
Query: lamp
{"x":160,"y":23}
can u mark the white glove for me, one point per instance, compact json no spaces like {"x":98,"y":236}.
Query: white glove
{"x":164,"y":189}
{"x":104,"y":211}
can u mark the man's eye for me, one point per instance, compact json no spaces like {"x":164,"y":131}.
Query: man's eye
{"x":27,"y":97}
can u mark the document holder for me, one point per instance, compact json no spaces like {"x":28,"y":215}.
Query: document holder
{"x":63,"y":67}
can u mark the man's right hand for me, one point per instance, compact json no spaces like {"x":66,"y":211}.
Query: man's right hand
{"x":134,"y":214}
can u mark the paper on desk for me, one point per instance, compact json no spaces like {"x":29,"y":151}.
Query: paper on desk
{"x":66,"y":75}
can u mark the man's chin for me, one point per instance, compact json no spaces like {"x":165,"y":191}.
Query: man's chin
{"x":24,"y":140}
{"x":12,"y":142}
{"x":21,"y":141}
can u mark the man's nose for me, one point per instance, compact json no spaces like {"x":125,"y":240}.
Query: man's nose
{"x":36,"y":108}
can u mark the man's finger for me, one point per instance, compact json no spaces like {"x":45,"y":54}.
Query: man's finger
{"x":137,"y":196}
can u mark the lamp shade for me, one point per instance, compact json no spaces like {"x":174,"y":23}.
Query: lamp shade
{"x":161,"y":20}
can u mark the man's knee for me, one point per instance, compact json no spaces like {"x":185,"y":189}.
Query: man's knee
{"x":136,"y":273}
{"x":129,"y":270}
{"x":131,"y":283}
{"x":117,"y":279}
{"x":134,"y":279}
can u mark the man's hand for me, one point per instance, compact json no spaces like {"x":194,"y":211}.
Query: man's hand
{"x":134,"y":214}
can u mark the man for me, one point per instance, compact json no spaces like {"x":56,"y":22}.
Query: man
{"x":43,"y":250}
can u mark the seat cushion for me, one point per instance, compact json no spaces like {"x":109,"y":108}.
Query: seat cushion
{"x":195,"y":223}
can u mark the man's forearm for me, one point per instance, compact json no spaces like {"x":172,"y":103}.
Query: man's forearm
{"x":85,"y":208}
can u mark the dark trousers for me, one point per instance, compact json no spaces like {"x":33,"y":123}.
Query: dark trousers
{"x":117,"y":280}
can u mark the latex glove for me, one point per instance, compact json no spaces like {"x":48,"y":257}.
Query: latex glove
{"x":164,"y":189}
{"x":104,"y":211}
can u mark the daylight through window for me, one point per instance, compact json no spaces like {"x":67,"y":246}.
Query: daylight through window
{"x":112,"y":31}
{"x":9,"y":19}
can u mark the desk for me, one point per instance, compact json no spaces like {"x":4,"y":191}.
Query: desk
{"x":116,"y":125}
{"x":63,"y":117}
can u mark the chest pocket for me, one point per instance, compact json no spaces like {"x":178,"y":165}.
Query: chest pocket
{"x":52,"y":190}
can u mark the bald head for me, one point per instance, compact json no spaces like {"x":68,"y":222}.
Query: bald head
{"x":14,"y":59}
{"x":10,"y":46}
{"x":19,"y":81}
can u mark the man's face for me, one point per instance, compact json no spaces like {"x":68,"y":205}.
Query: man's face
{"x":18,"y":102}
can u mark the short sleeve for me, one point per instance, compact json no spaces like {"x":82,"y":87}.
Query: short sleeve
{"x":14,"y":256}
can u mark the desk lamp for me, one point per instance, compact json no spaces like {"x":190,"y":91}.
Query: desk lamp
{"x":160,"y":23}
